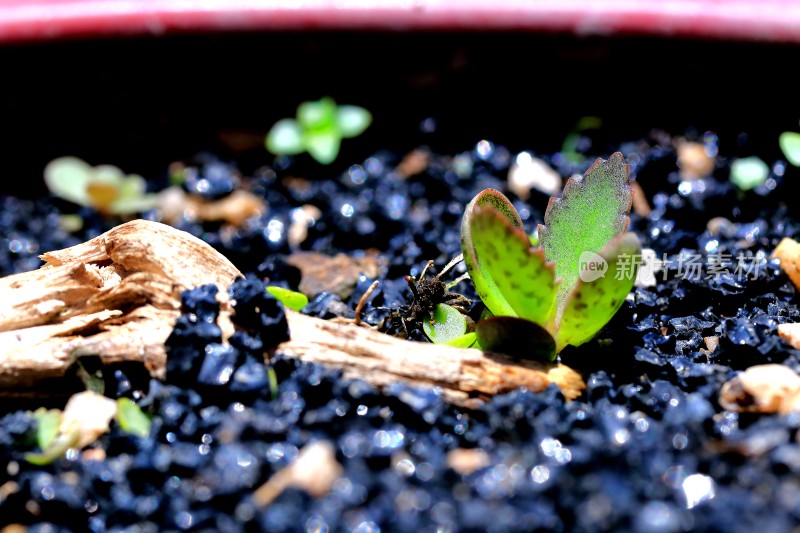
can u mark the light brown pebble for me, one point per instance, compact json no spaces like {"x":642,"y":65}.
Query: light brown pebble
{"x":466,"y":460}
{"x":770,"y":388}
{"x":693,"y":160}
{"x":788,"y":251}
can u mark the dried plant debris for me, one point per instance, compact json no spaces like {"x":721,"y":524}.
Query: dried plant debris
{"x":338,"y":274}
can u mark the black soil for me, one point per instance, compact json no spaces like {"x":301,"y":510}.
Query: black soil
{"x":647,"y":447}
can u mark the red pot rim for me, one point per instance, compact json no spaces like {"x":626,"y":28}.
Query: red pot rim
{"x":744,"y":20}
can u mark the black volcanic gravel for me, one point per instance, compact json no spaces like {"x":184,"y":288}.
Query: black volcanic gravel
{"x":646,"y":448}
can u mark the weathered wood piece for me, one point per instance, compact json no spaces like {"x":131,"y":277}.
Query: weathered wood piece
{"x":117,"y":296}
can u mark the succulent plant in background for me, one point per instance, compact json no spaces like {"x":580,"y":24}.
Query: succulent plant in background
{"x":749,"y":173}
{"x":318,"y":129}
{"x":789,"y":142}
{"x":104,"y":188}
{"x":540,"y":299}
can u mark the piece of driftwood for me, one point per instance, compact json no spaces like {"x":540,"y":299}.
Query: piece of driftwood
{"x":117,"y":296}
{"x":460,"y":373}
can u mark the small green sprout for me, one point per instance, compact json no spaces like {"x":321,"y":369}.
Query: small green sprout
{"x":570,"y":286}
{"x":131,"y":419}
{"x":749,"y":173}
{"x":318,"y":129}
{"x":291,"y":299}
{"x":571,"y":144}
{"x":52,"y":443}
{"x":104,"y":188}
{"x":448,"y":324}
{"x":789,"y":142}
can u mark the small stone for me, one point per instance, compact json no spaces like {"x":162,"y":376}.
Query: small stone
{"x":768,"y":388}
{"x":415,"y":162}
{"x":302,"y":219}
{"x":721,"y":226}
{"x":315,"y":470}
{"x":466,"y":461}
{"x":639,"y":202}
{"x":788,"y":251}
{"x":711,"y":343}
{"x":693,"y":160}
{"x":528,"y":173}
{"x":90,"y":413}
{"x":646,"y":273}
{"x":791,"y":334}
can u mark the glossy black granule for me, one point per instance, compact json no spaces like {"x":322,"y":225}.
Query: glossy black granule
{"x":646,"y":447}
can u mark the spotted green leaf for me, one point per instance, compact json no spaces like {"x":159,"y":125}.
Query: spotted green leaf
{"x":291,"y":299}
{"x":448,"y":324}
{"x":592,"y":210}
{"x":594,"y":299}
{"x":512,"y":277}
{"x":131,"y":418}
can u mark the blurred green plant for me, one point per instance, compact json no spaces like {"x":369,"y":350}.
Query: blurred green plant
{"x":318,"y":129}
{"x":789,"y":141}
{"x":104,"y":188}
{"x":748,"y":173}
{"x":291,"y":299}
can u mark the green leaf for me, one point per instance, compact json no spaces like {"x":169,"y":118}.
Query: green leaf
{"x":517,"y":337}
{"x":318,"y":114}
{"x":595,"y":300}
{"x":749,"y":172}
{"x":273,"y":382}
{"x":352,"y":120}
{"x":285,"y":138}
{"x":291,"y":299}
{"x":132,"y":186}
{"x":67,"y":178}
{"x":47,"y":422}
{"x":466,"y":340}
{"x":323,"y":146}
{"x":592,"y":211}
{"x":448,"y":324}
{"x":131,"y":418}
{"x":91,"y":375}
{"x":512,"y":278}
{"x":127,"y":206}
{"x":56,"y":449}
{"x":789,"y":142}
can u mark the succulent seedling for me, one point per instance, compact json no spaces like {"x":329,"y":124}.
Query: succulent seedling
{"x":749,"y":173}
{"x":789,"y":142}
{"x":431,"y":296}
{"x":566,"y":289}
{"x":104,"y":188}
{"x":318,"y":129}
